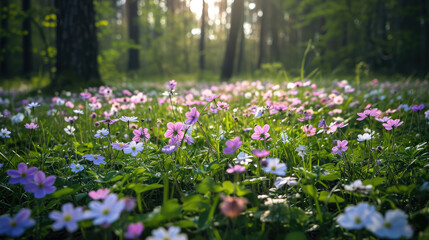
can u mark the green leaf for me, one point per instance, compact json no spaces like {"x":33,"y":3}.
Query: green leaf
{"x":171,"y":209}
{"x":374,"y":181}
{"x":228,"y":187}
{"x":332,"y":199}
{"x":140,"y":188}
{"x":296,"y":236}
{"x":63,"y":192}
{"x":401,"y":188}
{"x":310,"y":190}
{"x":206,"y":185}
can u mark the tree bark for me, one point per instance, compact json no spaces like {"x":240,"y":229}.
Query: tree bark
{"x":202,"y":37}
{"x":77,"y":46}
{"x":27,"y":56}
{"x":4,"y":54}
{"x":133,"y":33}
{"x":262,"y":32}
{"x":237,"y":12}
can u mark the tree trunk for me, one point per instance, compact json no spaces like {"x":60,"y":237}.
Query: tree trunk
{"x":237,"y":12}
{"x":27,"y":56}
{"x":77,"y":46}
{"x":203,"y":36}
{"x":263,"y":28}
{"x":4,"y":54}
{"x":133,"y":33}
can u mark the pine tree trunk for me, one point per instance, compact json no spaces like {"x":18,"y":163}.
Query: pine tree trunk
{"x":237,"y":12}
{"x":77,"y":46}
{"x":202,"y":37}
{"x":133,"y":33}
{"x":27,"y":56}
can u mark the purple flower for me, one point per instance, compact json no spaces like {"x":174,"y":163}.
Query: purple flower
{"x":95,"y":158}
{"x":108,"y":121}
{"x":106,"y":212}
{"x":391,"y":124}
{"x":367,"y":113}
{"x":23,"y":175}
{"x":262,"y":153}
{"x":275,"y":166}
{"x":41,"y":186}
{"x":309,"y":130}
{"x":15,"y":227}
{"x":31,"y":126}
{"x":192,"y":116}
{"x":417,"y":108}
{"x":174,"y":130}
{"x":236,"y":168}
{"x":341,"y":147}
{"x":233,"y":145}
{"x":172,"y":84}
{"x":261,"y":133}
{"x":68,"y":218}
{"x":119,"y":146}
{"x":169,"y":149}
{"x":141,"y":134}
{"x":134,"y":230}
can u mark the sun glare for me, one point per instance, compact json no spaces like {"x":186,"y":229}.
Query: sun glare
{"x":197,"y":8}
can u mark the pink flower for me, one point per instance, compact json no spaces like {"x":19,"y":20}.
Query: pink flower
{"x":174,"y":130}
{"x":31,"y":126}
{"x":192,"y":116}
{"x":367,"y":113}
{"x":99,"y":194}
{"x":261,"y":133}
{"x":391,"y":124}
{"x":134,"y":230}
{"x":262,"y":153}
{"x":172,"y":84}
{"x":141,"y":134}
{"x":233,"y":145}
{"x":341,"y":147}
{"x":309,"y":130}
{"x":236,"y":168}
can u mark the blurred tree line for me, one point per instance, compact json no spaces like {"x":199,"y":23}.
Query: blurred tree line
{"x":92,"y":40}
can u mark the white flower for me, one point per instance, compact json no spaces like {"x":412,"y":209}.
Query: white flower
{"x":101,"y":132}
{"x":60,"y":102}
{"x":427,"y":114}
{"x":173,"y":233}
{"x":17,"y":118}
{"x":68,"y":218}
{"x":280,"y":182}
{"x":243,"y":159}
{"x":358,"y":186}
{"x":356,"y":217}
{"x":33,"y":105}
{"x":78,"y":111}
{"x":4,"y":133}
{"x":134,"y":148}
{"x":285,"y":138}
{"x":69,"y":130}
{"x":275,"y":167}
{"x":106,"y":212}
{"x":302,"y":150}
{"x":393,"y":226}
{"x":259,"y":111}
{"x":128,"y":119}
{"x":365,"y":137}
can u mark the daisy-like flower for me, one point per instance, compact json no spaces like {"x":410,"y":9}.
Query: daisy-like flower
{"x":99,"y":194}
{"x":356,"y":217}
{"x":417,"y":108}
{"x":128,"y":119}
{"x":101,"y":132}
{"x":41,"y":186}
{"x":192,"y":116}
{"x":393,"y":226}
{"x":134,"y":230}
{"x":68,"y":217}
{"x":69,"y":130}
{"x":4,"y":133}
{"x":141,"y":134}
{"x":134,"y":148}
{"x":119,"y":146}
{"x":243,"y":158}
{"x":365,"y":137}
{"x":95,"y":158}
{"x":78,"y":111}
{"x":358,"y":186}
{"x":391,"y":124}
{"x":261,"y":133}
{"x":169,"y":149}
{"x":175,"y":130}
{"x":233,"y":145}
{"x":76,"y":167}
{"x":261,"y":154}
{"x":22,"y":175}
{"x":171,"y":84}
{"x":275,"y":167}
{"x":33,"y":105}
{"x":280,"y":182}
{"x":367,"y":113}
{"x":235,"y":169}
{"x":31,"y":126}
{"x":309,"y":130}
{"x":106,"y":212}
{"x":302,"y":150}
{"x":15,"y":226}
{"x":341,"y":147}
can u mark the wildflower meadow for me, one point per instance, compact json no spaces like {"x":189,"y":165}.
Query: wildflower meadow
{"x":241,"y":160}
